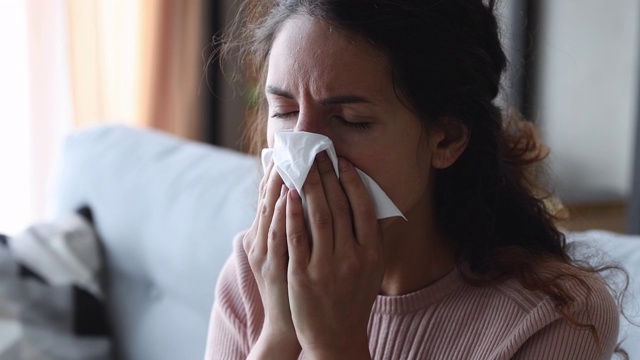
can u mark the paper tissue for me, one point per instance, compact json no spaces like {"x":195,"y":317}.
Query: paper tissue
{"x":293,"y":153}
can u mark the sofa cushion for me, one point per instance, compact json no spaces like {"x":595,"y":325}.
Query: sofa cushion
{"x":611,"y":248}
{"x":166,"y":210}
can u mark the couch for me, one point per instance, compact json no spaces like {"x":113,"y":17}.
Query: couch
{"x":166,"y":211}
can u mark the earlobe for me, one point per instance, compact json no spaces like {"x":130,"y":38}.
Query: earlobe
{"x":451,"y":139}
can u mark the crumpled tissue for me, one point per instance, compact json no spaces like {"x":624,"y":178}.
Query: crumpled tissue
{"x":293,"y":153}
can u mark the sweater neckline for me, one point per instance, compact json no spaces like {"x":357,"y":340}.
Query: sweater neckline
{"x":420,"y":299}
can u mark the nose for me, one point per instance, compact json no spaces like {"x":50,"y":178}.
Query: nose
{"x":310,"y":122}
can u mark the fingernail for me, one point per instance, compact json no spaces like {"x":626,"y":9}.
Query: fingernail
{"x":343,"y":164}
{"x":322,"y":156}
{"x":283,"y":190}
{"x":294,"y":194}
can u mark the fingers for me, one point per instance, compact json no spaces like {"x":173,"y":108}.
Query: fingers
{"x":365,"y":224}
{"x":298,"y":242}
{"x":277,"y":240}
{"x":264,"y":181}
{"x":337,"y":201}
{"x":250,"y":236}
{"x":270,"y":194}
{"x":262,"y":191}
{"x":319,"y":214}
{"x":339,"y":211}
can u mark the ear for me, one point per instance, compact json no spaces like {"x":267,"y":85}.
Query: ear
{"x":449,"y":139}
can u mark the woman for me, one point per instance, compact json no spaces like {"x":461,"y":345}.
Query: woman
{"x":478,"y":270}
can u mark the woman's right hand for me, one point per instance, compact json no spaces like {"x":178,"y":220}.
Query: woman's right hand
{"x":268,"y":258}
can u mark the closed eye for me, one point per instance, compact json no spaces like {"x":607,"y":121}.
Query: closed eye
{"x":284,"y":115}
{"x":354,"y":124}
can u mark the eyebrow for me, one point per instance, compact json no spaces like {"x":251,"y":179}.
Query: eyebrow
{"x":334,"y":100}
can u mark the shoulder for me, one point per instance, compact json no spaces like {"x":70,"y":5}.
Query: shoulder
{"x":576,"y":320}
{"x":584,"y":297}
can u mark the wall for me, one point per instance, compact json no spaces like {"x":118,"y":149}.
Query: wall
{"x":232,"y":100}
{"x":588,"y":75}
{"x":511,"y":18}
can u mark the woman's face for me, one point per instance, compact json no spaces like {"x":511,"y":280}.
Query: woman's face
{"x":323,"y":80}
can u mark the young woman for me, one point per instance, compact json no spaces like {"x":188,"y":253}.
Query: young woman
{"x":405,"y":90}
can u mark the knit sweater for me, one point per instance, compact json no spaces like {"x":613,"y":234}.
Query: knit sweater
{"x":449,"y":319}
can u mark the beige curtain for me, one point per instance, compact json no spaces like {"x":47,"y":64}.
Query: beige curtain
{"x":137,"y":62}
{"x":172,"y":66}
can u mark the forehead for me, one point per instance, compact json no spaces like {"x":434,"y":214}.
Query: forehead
{"x":311,"y":51}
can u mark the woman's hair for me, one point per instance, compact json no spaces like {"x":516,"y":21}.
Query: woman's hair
{"x":447,"y":61}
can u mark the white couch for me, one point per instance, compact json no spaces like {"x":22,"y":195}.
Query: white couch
{"x":166,"y":210}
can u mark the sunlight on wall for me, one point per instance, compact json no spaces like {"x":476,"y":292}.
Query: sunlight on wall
{"x":50,"y":95}
{"x":15,"y":183}
{"x":35,"y":108}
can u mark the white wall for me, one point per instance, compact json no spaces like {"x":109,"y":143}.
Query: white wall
{"x":587,"y":95}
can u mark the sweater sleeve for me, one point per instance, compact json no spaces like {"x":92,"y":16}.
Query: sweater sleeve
{"x":563,"y":341}
{"x":236,"y":317}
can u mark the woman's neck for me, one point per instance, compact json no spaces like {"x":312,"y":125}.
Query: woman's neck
{"x":416,"y":255}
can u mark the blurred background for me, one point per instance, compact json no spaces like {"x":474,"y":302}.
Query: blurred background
{"x":69,"y":64}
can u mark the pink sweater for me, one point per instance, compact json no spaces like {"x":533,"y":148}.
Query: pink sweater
{"x":447,"y":320}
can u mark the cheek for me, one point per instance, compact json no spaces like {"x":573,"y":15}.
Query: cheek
{"x":275,"y":125}
{"x":411,"y":194}
{"x":403,"y":179}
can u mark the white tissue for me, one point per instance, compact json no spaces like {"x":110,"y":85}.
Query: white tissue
{"x":293,"y":154}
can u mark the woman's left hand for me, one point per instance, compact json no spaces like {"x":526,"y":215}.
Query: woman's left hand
{"x":336,"y":266}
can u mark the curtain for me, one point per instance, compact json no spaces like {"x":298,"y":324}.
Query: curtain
{"x":137,"y":62}
{"x":103,"y":38}
{"x":171,"y":70}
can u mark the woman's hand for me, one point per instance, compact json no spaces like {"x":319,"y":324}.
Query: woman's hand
{"x":266,"y":247}
{"x":336,"y":266}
